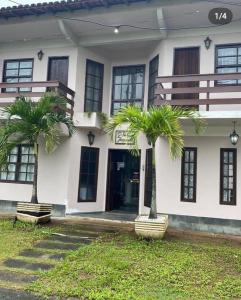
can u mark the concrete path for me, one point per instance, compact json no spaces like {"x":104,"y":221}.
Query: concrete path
{"x":111,"y":216}
{"x":16,"y":273}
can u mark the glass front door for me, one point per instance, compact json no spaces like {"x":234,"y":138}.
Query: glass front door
{"x":123,"y":181}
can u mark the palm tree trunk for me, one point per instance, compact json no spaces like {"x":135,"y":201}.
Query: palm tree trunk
{"x":34,"y":198}
{"x":153,"y":211}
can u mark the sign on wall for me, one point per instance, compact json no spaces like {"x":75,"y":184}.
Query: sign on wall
{"x":122,"y":138}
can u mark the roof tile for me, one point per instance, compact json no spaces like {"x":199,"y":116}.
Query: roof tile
{"x":57,"y":6}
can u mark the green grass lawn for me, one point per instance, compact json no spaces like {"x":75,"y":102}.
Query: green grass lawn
{"x":124,"y":267}
{"x":13,"y":240}
{"x":117,"y":267}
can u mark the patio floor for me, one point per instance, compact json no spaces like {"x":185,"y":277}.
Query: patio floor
{"x":112,"y":216}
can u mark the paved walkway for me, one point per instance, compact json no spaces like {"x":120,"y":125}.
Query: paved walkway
{"x":16,"y":273}
{"x":113,"y":216}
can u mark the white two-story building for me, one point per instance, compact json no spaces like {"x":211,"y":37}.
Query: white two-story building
{"x":104,"y":54}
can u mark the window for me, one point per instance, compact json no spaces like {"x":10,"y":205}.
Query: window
{"x":148,"y":178}
{"x":189,"y":175}
{"x":88,"y":174}
{"x":228,"y":60}
{"x":18,"y":71}
{"x":153,"y":73}
{"x":228,"y":165}
{"x":93,"y":86}
{"x":128,"y":86}
{"x":21,"y":164}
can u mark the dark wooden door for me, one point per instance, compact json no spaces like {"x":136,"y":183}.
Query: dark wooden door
{"x":123,"y":181}
{"x":186,"y":62}
{"x":58,"y":69}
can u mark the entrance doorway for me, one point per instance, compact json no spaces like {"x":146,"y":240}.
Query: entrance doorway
{"x":123,"y":181}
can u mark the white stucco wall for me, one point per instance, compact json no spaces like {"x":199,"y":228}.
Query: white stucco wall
{"x":104,"y":143}
{"x":40,"y":67}
{"x":52,"y":179}
{"x":53,"y":169}
{"x":59,"y":172}
{"x":208,"y":177}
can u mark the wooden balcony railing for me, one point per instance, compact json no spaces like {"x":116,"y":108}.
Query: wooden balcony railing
{"x":200,"y":89}
{"x":36,"y":90}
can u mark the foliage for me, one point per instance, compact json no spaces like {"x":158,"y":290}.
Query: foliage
{"x":101,"y":116}
{"x":27,"y":121}
{"x":13,"y":240}
{"x":123,"y":267}
{"x":163,"y":121}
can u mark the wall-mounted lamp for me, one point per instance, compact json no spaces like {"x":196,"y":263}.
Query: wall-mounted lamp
{"x":91,"y":138}
{"x":40,"y":54}
{"x":207,"y":42}
{"x":234,"y":136}
{"x":117,"y":29}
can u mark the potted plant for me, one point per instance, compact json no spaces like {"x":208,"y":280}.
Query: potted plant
{"x":163,"y":121}
{"x":28,"y":121}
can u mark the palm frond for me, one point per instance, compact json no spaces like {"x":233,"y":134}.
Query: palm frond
{"x":164,"y":121}
{"x":7,"y":143}
{"x":21,"y":108}
{"x":28,"y":120}
{"x":126,"y":115}
{"x":51,"y":139}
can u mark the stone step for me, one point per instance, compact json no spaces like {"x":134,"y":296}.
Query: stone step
{"x":80,"y":233}
{"x":32,"y":253}
{"x":16,"y":277}
{"x":18,"y":263}
{"x":57,"y":256}
{"x":58,"y":245}
{"x":68,"y":239}
{"x":41,"y":254}
{"x":8,"y":294}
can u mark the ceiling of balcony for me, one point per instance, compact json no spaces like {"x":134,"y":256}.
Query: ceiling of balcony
{"x":169,"y":15}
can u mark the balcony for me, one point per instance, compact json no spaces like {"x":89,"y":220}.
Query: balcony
{"x":36,"y":90}
{"x":202,"y":91}
{"x":85,"y":120}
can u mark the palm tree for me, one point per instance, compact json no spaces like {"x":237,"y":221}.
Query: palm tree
{"x":163,"y":121}
{"x":28,"y":122}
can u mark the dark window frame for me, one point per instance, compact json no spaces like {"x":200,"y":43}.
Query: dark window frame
{"x":18,"y":165}
{"x":225,"y":46}
{"x":127,"y":101}
{"x":151,"y":95}
{"x":100,"y":89}
{"x":183,"y":199}
{"x":4,"y":77}
{"x":234,"y":200}
{"x":148,"y":178}
{"x":83,"y":148}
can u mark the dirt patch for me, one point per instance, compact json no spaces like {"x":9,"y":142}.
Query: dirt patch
{"x":203,"y":237}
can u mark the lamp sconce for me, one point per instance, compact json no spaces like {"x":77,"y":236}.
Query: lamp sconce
{"x":91,"y":138}
{"x":234,"y":136}
{"x":207,"y":42}
{"x":40,"y":54}
{"x":117,"y":29}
